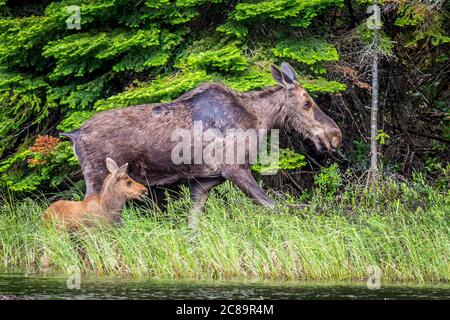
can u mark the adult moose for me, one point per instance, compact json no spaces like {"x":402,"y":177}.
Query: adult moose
{"x":142,"y":135}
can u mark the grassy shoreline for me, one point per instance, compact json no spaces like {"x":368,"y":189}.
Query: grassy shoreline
{"x":403,"y":228}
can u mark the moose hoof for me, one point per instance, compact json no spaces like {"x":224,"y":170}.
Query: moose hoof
{"x":271,"y":205}
{"x":297,"y":206}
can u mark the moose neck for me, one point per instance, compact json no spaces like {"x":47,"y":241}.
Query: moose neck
{"x":110,"y":200}
{"x":268,"y":106}
{"x":112,"y":203}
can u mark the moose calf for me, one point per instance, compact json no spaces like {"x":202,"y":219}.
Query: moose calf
{"x":105,"y":206}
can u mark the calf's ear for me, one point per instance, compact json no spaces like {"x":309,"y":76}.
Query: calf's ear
{"x":121,"y":171}
{"x":111,"y":165}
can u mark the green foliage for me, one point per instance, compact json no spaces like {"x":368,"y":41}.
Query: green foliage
{"x":385,"y":44}
{"x":233,"y":28}
{"x":51,"y":170}
{"x":225,"y":58}
{"x":74,"y":120}
{"x":359,"y":155}
{"x":321,"y":85}
{"x":408,"y":18}
{"x":254,"y":78}
{"x":428,"y":20}
{"x":288,"y":160}
{"x":329,"y":180}
{"x":81,"y":96}
{"x":291,"y":12}
{"x":80,"y":54}
{"x":309,"y":51}
{"x":381,"y":137}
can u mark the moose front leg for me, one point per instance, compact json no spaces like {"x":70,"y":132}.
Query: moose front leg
{"x":199,"y":189}
{"x":243,"y":178}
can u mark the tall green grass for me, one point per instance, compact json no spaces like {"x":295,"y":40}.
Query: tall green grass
{"x":403,"y":228}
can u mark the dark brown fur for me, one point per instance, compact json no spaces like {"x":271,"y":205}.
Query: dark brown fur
{"x":141,"y":135}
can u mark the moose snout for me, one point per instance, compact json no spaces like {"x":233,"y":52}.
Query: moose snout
{"x":335,"y":138}
{"x":143,"y":191}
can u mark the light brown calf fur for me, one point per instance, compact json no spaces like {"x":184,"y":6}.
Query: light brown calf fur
{"x":104,"y":207}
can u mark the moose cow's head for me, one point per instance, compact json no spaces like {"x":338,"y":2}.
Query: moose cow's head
{"x":304,"y":114}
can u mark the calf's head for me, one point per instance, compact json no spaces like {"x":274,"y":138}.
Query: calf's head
{"x":120,"y":184}
{"x":302,"y":112}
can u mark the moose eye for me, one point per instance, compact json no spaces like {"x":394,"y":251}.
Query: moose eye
{"x":128,"y":183}
{"x":306,"y":105}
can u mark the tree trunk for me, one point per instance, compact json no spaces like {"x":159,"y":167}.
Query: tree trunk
{"x":374,"y":109}
{"x":374,"y":23}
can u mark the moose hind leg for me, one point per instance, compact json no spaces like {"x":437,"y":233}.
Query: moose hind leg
{"x":93,"y":178}
{"x":199,"y":189}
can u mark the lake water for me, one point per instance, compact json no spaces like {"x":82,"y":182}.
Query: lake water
{"x":58,"y":287}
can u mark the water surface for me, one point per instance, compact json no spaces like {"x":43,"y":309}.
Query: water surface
{"x":56,"y":287}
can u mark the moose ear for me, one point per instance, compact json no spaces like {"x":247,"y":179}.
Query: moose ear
{"x":111,"y":165}
{"x":288,"y":72}
{"x":121,"y":171}
{"x":276,"y":74}
{"x":282,"y":78}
